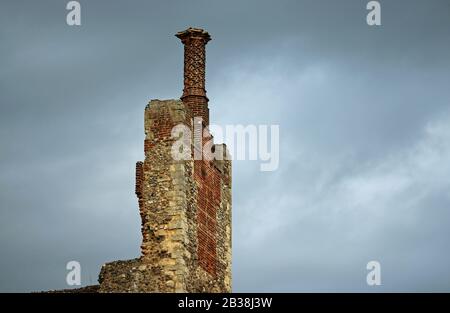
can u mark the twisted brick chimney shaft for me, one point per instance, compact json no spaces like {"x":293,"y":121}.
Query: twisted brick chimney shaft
{"x":194,"y":92}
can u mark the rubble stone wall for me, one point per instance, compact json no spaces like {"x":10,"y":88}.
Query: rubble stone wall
{"x":185,"y":207}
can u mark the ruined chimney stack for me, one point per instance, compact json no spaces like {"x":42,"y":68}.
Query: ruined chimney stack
{"x":184,"y":204}
{"x":194,"y":92}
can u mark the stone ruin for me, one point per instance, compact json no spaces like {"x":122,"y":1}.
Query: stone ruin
{"x":185,"y":205}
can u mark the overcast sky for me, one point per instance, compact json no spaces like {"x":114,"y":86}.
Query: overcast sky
{"x":364,"y":117}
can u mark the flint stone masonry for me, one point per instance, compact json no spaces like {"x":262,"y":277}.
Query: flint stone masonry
{"x":185,"y":206}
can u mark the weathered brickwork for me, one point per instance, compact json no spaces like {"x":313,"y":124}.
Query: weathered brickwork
{"x":185,"y":205}
{"x":207,"y":178}
{"x":194,"y":92}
